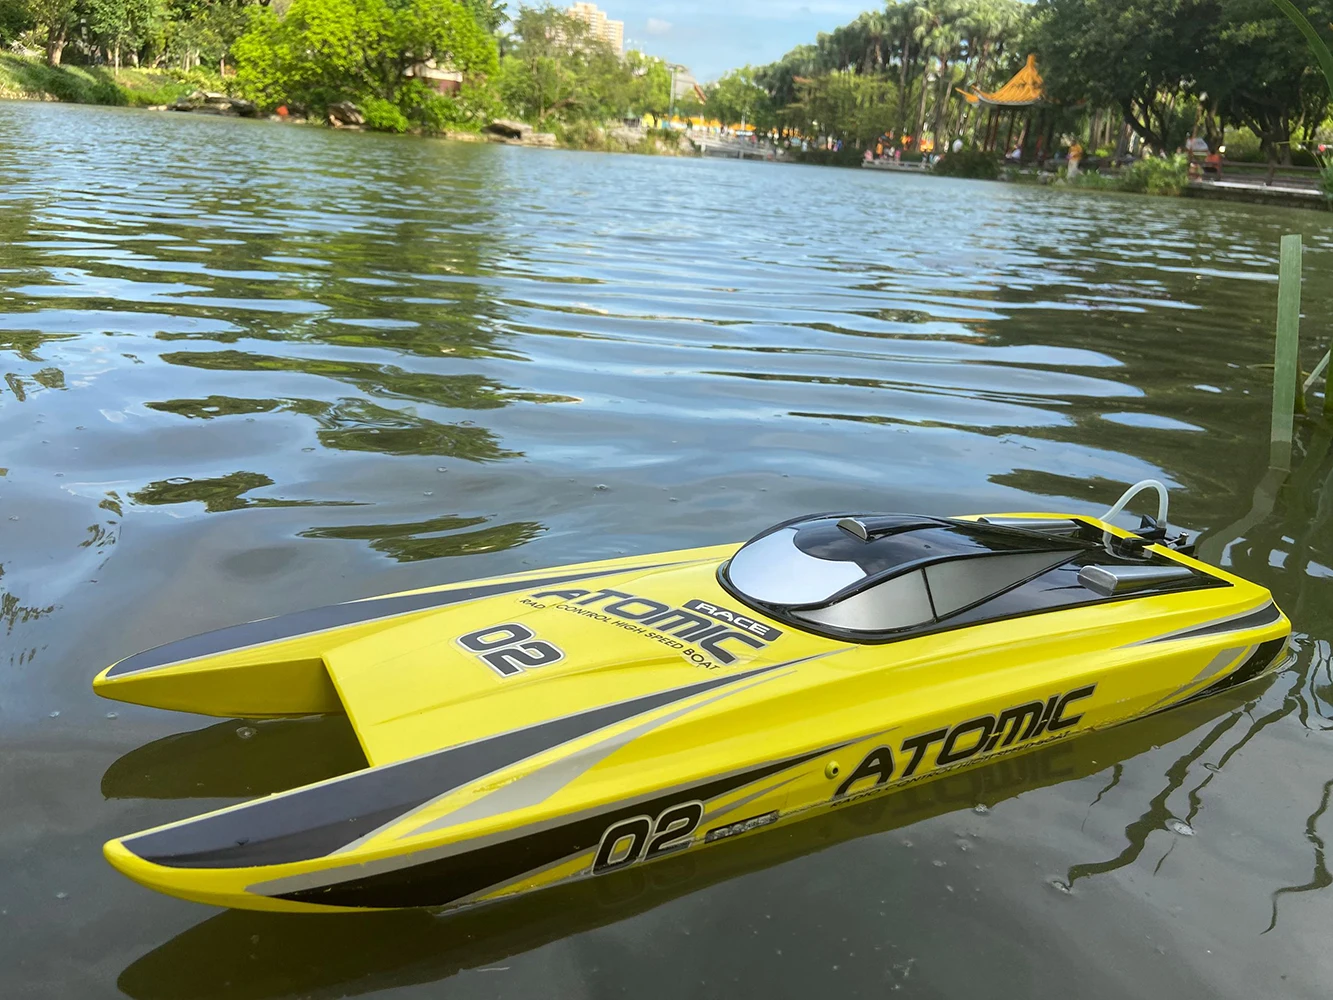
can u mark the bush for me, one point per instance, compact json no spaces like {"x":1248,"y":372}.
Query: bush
{"x":969,"y":163}
{"x":1243,"y":146}
{"x":848,"y":156}
{"x":1151,"y":176}
{"x":1095,"y":180}
{"x":434,"y":113}
{"x":1154,"y":176}
{"x":383,"y":116}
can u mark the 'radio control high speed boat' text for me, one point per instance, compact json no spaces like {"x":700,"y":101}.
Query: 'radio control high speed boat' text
{"x":528,"y":730}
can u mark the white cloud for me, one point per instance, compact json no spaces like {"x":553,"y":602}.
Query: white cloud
{"x":656,"y":26}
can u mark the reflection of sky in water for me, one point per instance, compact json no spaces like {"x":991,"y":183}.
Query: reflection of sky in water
{"x":1150,"y":420}
{"x":278,"y":367}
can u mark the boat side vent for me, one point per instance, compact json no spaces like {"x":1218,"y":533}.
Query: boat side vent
{"x":1112,"y":580}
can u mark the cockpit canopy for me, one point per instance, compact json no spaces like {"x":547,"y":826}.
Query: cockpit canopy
{"x":885,"y":573}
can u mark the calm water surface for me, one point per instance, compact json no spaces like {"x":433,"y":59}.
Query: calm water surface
{"x":251,"y":369}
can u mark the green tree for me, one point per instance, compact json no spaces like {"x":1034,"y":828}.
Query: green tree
{"x":1135,"y":55}
{"x":120,"y":25}
{"x":325,"y":51}
{"x":737,"y":98}
{"x":58,"y":17}
{"x":553,"y":68}
{"x":490,"y":14}
{"x":1261,"y":74}
{"x":913,"y":55}
{"x":15,"y":18}
{"x":649,"y":84}
{"x":540,"y":73}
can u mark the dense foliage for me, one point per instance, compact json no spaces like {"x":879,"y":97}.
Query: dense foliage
{"x":972,"y":163}
{"x":1171,"y":66}
{"x":895,"y":70}
{"x":309,"y":54}
{"x":1166,"y":69}
{"x":368,"y":54}
{"x":552,"y":69}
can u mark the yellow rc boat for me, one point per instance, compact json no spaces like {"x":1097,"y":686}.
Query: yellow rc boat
{"x":530,"y":730}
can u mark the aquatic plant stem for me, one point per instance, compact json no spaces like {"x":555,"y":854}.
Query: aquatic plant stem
{"x":1286,"y":371}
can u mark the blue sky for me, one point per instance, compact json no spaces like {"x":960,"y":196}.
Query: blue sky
{"x":713,"y":36}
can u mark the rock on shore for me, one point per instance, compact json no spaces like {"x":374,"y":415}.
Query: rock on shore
{"x":208,"y":103}
{"x":516,"y":133}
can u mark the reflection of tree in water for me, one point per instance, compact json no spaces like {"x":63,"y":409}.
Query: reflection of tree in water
{"x":1289,"y":529}
{"x":1321,"y":879}
{"x":466,"y":392}
{"x":215,"y":406}
{"x":435,"y":538}
{"x":220,"y":493}
{"x":358,"y":425}
{"x":46,"y":378}
{"x":14,"y":612}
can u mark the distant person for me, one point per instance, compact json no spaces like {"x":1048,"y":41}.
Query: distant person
{"x":1015,"y":154}
{"x":957,"y":146}
{"x":879,"y":150}
{"x":1075,"y":158}
{"x":1212,"y":164}
{"x":869,"y":156}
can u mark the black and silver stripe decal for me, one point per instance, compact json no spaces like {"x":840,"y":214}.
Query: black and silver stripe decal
{"x":1260,"y":660}
{"x":316,"y":620}
{"x":449,"y":879}
{"x":318,"y":820}
{"x":1266,"y":615}
{"x":542,"y":783}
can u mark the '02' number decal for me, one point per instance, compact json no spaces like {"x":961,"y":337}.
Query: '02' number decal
{"x":511,"y":648}
{"x":641,"y":838}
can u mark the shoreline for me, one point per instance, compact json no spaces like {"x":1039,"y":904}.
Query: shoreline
{"x":183,"y":93}
{"x":24,"y":78}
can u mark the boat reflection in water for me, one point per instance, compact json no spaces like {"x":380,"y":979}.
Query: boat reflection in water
{"x":251,"y":955}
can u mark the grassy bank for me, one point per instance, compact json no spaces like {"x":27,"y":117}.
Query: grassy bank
{"x":31,"y":79}
{"x":594,"y":138}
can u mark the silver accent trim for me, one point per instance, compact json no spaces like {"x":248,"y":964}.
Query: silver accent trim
{"x":1224,"y":659}
{"x":1112,"y":580}
{"x":1046,"y":525}
{"x":854,"y":527}
{"x":1187,"y":631}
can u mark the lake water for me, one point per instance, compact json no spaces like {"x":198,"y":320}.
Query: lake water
{"x":251,"y":369}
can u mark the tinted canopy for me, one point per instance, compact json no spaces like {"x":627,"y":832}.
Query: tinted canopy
{"x":877,"y":573}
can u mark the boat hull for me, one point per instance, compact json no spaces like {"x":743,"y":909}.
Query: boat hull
{"x":572,"y":723}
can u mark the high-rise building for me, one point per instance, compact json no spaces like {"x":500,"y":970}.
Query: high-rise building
{"x":600,"y":26}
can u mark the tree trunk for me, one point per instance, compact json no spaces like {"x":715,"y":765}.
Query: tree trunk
{"x":941,"y":96}
{"x":1142,"y":128}
{"x":921,"y":112}
{"x":902,"y":82}
{"x":55,"y":43}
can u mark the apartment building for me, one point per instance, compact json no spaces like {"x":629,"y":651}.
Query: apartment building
{"x":600,"y":26}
